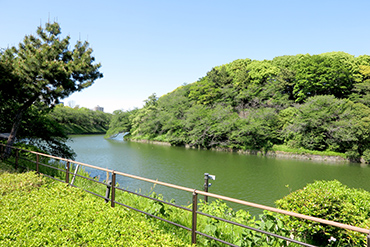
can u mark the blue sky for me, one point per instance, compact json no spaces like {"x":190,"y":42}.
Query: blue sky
{"x":150,"y":47}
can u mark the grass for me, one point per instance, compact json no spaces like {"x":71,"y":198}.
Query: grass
{"x":37,"y":211}
{"x":302,"y":151}
{"x":283,"y":148}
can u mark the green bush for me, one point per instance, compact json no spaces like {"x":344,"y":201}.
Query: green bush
{"x":25,"y":186}
{"x":37,"y":212}
{"x":81,"y":120}
{"x":237,"y":235}
{"x":328,"y":200}
{"x":13,"y":182}
{"x":366,"y":156}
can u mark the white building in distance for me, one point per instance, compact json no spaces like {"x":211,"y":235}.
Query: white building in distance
{"x":98,"y":108}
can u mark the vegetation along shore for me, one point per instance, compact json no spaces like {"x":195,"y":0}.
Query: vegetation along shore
{"x":57,"y":213}
{"x":308,"y":105}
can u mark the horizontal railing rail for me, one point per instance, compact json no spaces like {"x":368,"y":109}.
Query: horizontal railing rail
{"x":111,"y":185}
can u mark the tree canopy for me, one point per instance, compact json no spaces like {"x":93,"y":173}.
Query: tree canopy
{"x":41,"y":71}
{"x":81,"y":120}
{"x":316,"y":102}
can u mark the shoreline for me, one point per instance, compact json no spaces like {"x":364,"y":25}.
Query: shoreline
{"x":276,"y":154}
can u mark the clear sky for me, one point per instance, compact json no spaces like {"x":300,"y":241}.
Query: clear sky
{"x":154,"y":46}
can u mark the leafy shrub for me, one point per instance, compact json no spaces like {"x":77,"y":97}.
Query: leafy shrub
{"x":6,"y":168}
{"x":327,"y":123}
{"x":328,"y":200}
{"x":12,"y":182}
{"x":268,"y":222}
{"x":57,"y":215}
{"x":220,"y":229}
{"x":241,"y":236}
{"x":31,"y":190}
{"x":81,"y":120}
{"x":366,"y":156}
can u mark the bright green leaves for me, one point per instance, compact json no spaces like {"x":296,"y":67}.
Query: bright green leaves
{"x":81,"y":120}
{"x":121,"y":121}
{"x":361,"y":90}
{"x":35,"y":212}
{"x":207,"y":128}
{"x":237,"y":235}
{"x":260,"y":72}
{"x":25,"y":182}
{"x":327,"y":123}
{"x":256,"y":104}
{"x":255,"y":130}
{"x":204,"y":92}
{"x":329,"y":200}
{"x":325,"y":74}
{"x":145,"y":122}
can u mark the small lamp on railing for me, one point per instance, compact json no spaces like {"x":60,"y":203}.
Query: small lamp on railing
{"x":207,"y":176}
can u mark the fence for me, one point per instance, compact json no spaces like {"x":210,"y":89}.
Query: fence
{"x":112,"y":189}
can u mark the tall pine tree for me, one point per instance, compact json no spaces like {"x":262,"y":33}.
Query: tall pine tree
{"x":42,"y":70}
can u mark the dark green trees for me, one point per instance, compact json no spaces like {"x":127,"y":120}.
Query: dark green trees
{"x":81,"y":120}
{"x":41,"y":71}
{"x":333,"y":73}
{"x":327,"y":123}
{"x":315,"y":102}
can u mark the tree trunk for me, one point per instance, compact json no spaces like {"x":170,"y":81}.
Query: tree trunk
{"x":16,"y":124}
{"x":13,"y":133}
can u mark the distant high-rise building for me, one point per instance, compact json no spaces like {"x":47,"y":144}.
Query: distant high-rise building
{"x":98,"y":108}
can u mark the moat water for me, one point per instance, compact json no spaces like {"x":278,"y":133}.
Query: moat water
{"x":256,"y":179}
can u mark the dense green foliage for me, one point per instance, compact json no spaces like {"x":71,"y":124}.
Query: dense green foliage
{"x":36,"y":212}
{"x":327,"y":123}
{"x":315,"y":102}
{"x":34,"y":77}
{"x":329,"y":200}
{"x":53,"y":128}
{"x":73,"y":217}
{"x":121,"y":122}
{"x":81,"y":120}
{"x":41,"y":130}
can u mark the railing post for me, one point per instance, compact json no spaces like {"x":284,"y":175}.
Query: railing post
{"x":113,"y":197}
{"x":37,"y":164}
{"x":16,"y":158}
{"x":194,"y":218}
{"x":67,"y":172}
{"x":368,"y":239}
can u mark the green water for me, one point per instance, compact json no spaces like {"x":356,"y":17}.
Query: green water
{"x":256,"y":179}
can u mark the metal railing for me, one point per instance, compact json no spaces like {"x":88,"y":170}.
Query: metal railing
{"x":112,"y":188}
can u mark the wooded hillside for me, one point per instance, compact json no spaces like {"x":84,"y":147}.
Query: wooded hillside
{"x":81,"y":120}
{"x":317,"y":102}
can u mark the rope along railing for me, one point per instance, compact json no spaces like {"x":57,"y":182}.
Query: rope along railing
{"x":111,"y":186}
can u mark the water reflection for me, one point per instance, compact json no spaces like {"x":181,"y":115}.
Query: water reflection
{"x":256,"y":179}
